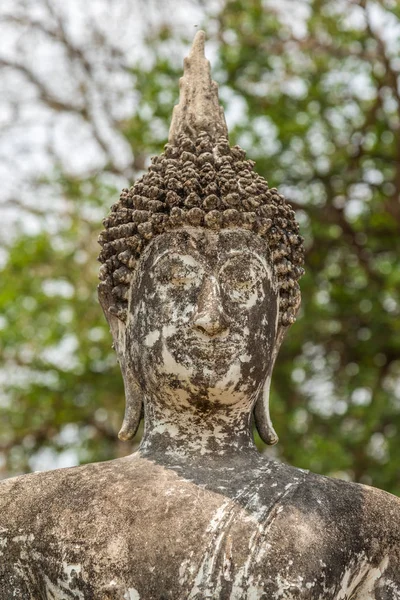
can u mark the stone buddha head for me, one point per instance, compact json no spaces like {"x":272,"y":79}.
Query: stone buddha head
{"x":199,"y":282}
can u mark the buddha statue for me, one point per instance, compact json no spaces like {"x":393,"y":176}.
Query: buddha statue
{"x":199,"y":284}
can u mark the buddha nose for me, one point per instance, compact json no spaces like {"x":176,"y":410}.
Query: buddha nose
{"x":209,"y":317}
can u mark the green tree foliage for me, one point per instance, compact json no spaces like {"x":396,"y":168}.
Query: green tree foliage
{"x":314,"y":98}
{"x":61,"y":390}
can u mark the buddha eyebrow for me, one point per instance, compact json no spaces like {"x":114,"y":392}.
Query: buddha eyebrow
{"x":253,"y":255}
{"x":172,"y":255}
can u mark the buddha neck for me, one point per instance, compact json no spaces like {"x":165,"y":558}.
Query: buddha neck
{"x":189,"y":433}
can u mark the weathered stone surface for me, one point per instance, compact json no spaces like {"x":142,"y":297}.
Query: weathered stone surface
{"x":199,"y":108}
{"x":151,"y":529}
{"x":196,"y":311}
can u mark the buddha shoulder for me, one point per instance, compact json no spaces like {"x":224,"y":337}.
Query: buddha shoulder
{"x":97,"y":500}
{"x":333,"y":508}
{"x":80,"y":488}
{"x":341,"y":537}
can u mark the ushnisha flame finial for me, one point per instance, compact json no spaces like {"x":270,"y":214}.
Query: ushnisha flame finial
{"x":198,"y":108}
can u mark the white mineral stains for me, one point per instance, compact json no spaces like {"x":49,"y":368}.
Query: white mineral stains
{"x":288,"y":588}
{"x":199,"y":444}
{"x":168,"y":331}
{"x":171,"y":366}
{"x":3,"y":543}
{"x":71,"y":570}
{"x":388,"y":584}
{"x":245,"y":358}
{"x":23,"y":538}
{"x":360,"y":577}
{"x":131,"y":594}
{"x":205,"y":584}
{"x":187,"y":569}
{"x":151,"y":338}
{"x":227,"y":560}
{"x":218,"y":516}
{"x":232,"y":377}
{"x":172,"y":430}
{"x":252,"y":300}
{"x":188,"y":260}
{"x":65,"y":587}
{"x":277,"y":325}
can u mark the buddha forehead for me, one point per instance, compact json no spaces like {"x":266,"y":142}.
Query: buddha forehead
{"x":209,"y":248}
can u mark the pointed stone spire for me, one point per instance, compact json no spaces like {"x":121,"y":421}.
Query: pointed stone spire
{"x":198,"y":108}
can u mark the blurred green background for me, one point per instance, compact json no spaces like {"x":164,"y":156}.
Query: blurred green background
{"x":311,"y":91}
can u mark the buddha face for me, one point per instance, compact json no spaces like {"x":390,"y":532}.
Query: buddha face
{"x":203,"y":317}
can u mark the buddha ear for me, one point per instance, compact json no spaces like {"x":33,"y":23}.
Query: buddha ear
{"x":133,"y":405}
{"x":133,"y":392}
{"x":107,"y":303}
{"x":262,"y":418}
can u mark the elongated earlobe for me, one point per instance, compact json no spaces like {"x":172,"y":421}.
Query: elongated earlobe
{"x":133,"y":405}
{"x":262,"y":417}
{"x":261,"y":414}
{"x":133,"y":392}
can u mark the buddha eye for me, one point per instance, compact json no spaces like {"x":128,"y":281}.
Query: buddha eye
{"x":241,"y":279}
{"x":182,"y":277}
{"x":177,"y":273}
